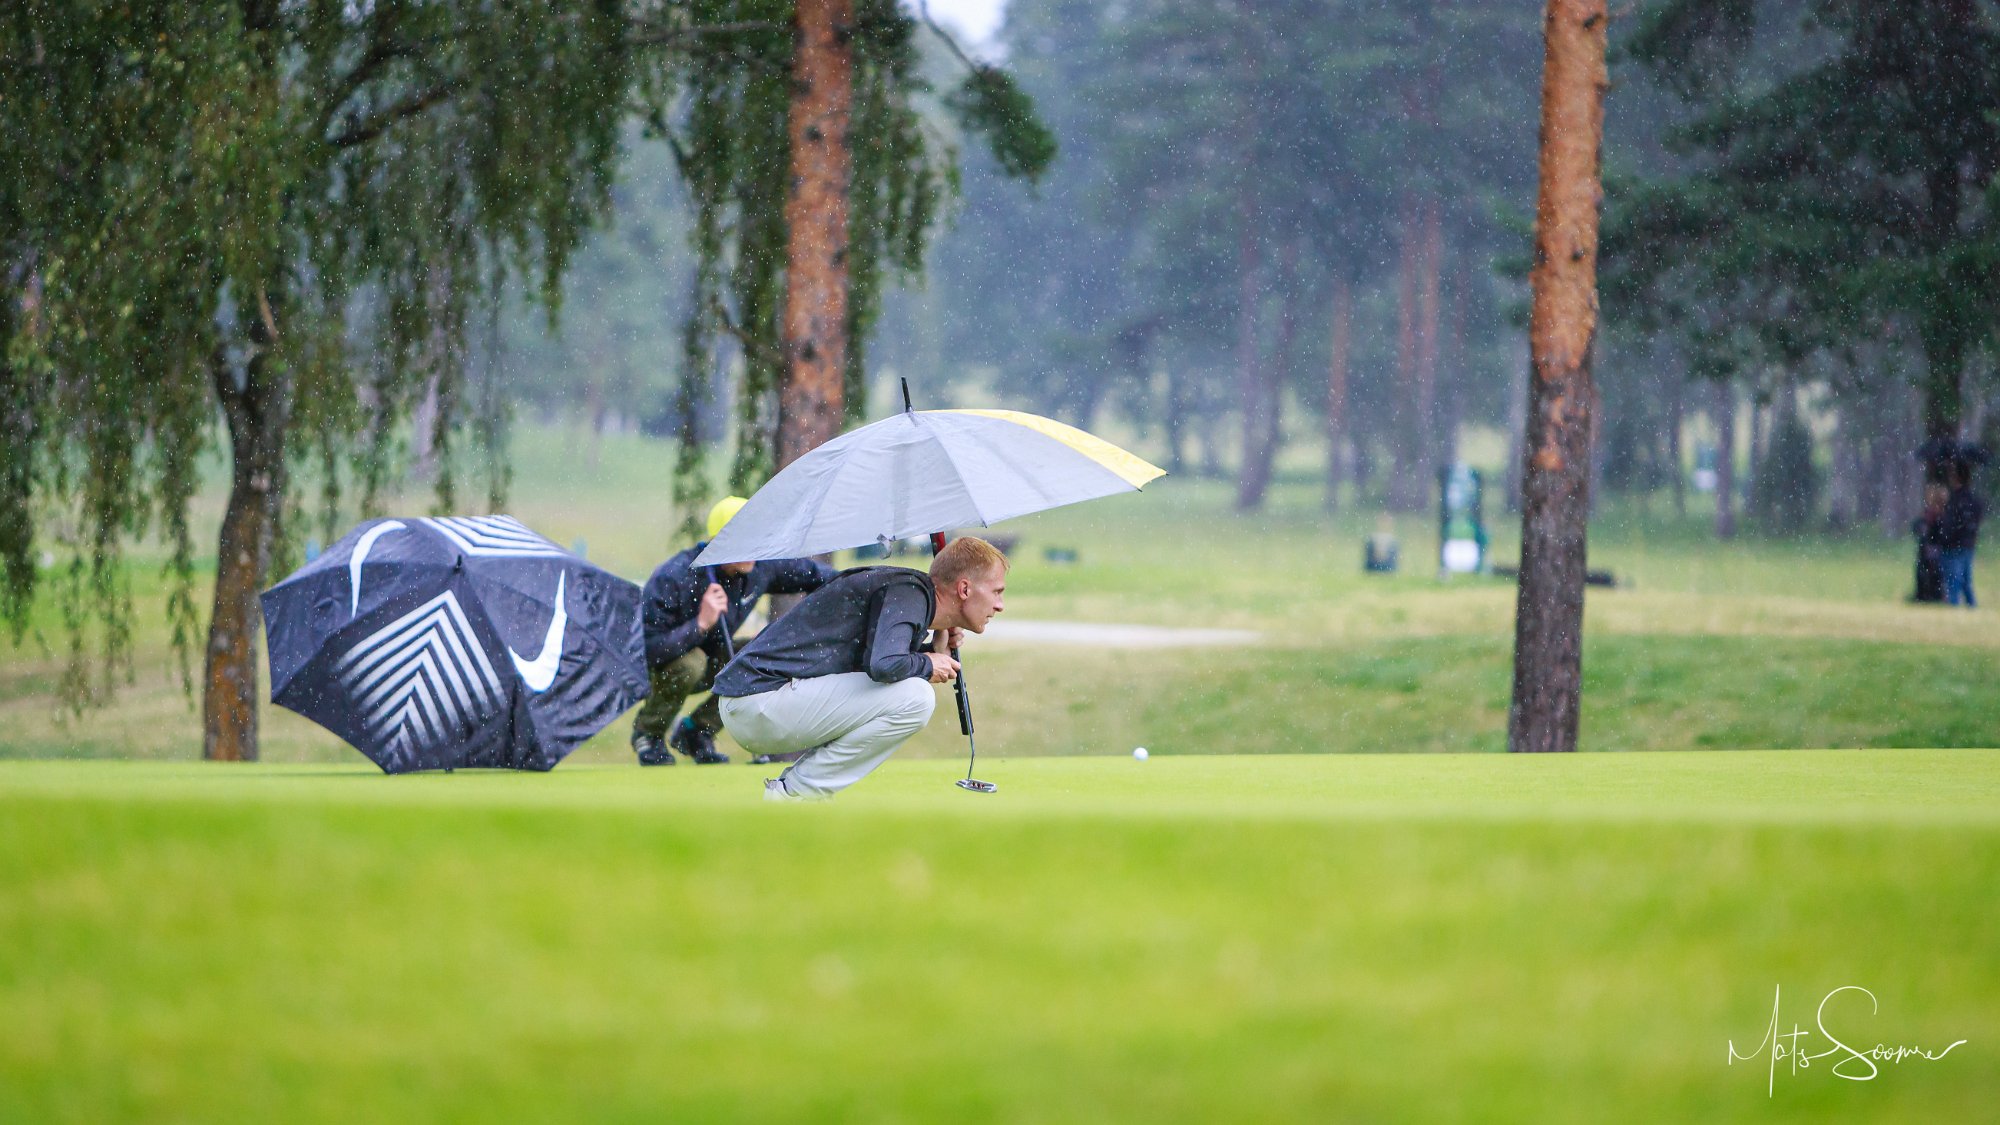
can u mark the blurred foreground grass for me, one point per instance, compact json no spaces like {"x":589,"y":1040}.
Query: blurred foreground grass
{"x":1313,"y":938}
{"x":1752,"y":643}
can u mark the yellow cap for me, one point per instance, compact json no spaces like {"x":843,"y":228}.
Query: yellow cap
{"x":725,"y":510}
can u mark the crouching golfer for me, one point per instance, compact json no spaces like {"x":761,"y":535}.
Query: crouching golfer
{"x":844,"y":676}
{"x":685,"y":616}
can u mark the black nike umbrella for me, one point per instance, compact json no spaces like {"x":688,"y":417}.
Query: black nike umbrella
{"x":455,"y":642}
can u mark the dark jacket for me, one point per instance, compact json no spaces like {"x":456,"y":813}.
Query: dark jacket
{"x":1958,"y":528}
{"x":871,"y":619}
{"x":672,"y":601}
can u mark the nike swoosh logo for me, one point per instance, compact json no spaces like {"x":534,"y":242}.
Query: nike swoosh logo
{"x":540,"y":672}
{"x":360,"y":556}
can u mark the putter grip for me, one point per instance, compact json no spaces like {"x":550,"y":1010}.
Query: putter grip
{"x":964,"y":700}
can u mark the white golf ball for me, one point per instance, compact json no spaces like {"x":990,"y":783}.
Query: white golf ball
{"x":1140,"y":753}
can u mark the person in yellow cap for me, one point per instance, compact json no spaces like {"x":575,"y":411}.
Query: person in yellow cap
{"x":690,"y":618}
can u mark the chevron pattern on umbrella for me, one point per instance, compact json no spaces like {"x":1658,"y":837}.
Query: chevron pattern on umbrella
{"x":422,"y":678}
{"x":494,"y":537}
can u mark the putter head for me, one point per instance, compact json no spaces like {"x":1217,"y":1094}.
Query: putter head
{"x":976,"y":786}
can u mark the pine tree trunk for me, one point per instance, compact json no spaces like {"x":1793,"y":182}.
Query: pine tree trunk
{"x":1453,"y":377}
{"x":1944,"y":398}
{"x":1250,"y":391}
{"x":1868,"y":457}
{"x":810,"y":400}
{"x":1905,"y":497}
{"x":1841,"y":502}
{"x":1888,"y":482}
{"x":1756,"y":504}
{"x":1405,"y":476}
{"x":1725,"y":461}
{"x":1430,"y":270}
{"x":1278,"y":373}
{"x":1336,"y":387}
{"x":1947,"y":339}
{"x":1676,"y":418}
{"x":1548,"y":629}
{"x":256,"y":410}
{"x":1259,"y":459}
{"x":1517,"y":436}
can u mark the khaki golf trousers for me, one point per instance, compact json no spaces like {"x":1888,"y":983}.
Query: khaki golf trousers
{"x":847,"y":723}
{"x":671,"y":685}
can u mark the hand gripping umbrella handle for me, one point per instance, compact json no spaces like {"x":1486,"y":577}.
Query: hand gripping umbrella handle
{"x":728,"y":642}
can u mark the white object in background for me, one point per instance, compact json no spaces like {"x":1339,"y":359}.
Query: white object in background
{"x":1140,"y":753}
{"x":1461,"y":556}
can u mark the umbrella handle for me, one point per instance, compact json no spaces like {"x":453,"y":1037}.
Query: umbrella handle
{"x":728,"y":642}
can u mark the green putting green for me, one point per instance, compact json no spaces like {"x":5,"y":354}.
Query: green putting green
{"x":1262,"y":938}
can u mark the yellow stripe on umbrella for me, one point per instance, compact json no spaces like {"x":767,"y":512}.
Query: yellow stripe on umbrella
{"x":1134,"y":470}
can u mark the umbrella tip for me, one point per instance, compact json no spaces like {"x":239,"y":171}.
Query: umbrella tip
{"x":906,"y":394}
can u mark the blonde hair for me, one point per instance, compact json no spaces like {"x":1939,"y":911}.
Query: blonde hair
{"x":963,"y":558}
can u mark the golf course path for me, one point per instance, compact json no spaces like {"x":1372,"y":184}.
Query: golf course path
{"x":1114,"y":636}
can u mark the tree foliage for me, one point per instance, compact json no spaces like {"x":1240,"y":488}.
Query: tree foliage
{"x":726,"y":123}
{"x":1839,"y":185}
{"x":295,"y":206}
{"x":294,"y":212}
{"x":1310,"y":130}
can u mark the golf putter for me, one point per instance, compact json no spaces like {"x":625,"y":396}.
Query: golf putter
{"x":965,"y":726}
{"x":967,"y":782}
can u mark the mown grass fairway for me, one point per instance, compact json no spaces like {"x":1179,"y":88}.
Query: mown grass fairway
{"x":1392,"y":938}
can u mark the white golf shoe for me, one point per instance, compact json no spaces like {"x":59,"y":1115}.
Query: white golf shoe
{"x":774,"y":790}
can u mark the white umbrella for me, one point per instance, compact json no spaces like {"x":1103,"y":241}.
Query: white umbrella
{"x":923,"y":472}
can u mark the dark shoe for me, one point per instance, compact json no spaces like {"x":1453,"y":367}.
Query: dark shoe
{"x":763,"y":760}
{"x":651,"y":751}
{"x":696,"y":743}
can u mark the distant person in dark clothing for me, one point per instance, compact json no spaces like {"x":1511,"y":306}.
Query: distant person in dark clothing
{"x":685,"y":615}
{"x":1957,"y":535}
{"x":1930,"y":575}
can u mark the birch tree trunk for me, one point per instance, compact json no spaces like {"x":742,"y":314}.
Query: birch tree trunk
{"x":255,"y":406}
{"x":1548,"y":629}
